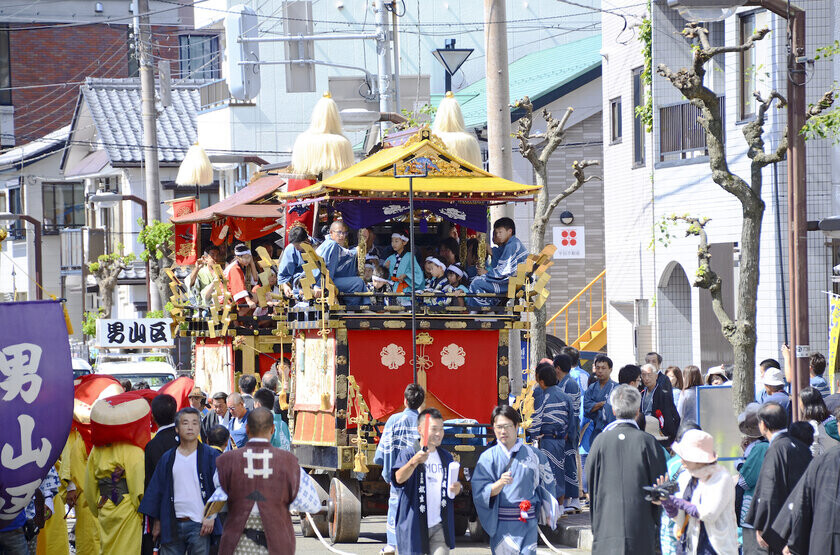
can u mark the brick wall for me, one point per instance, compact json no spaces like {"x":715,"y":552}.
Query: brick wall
{"x":69,"y":55}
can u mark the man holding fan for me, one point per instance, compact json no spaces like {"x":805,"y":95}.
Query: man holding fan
{"x":427,"y":480}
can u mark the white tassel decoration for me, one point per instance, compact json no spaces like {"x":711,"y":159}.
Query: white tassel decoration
{"x":449,"y":128}
{"x":322,"y":148}
{"x":196,"y":168}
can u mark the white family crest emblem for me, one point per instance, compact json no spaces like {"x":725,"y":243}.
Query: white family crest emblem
{"x":393,"y":209}
{"x":453,"y":356}
{"x":392,"y":356}
{"x":454,"y":213}
{"x":265,"y":471}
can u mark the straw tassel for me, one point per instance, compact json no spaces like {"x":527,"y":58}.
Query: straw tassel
{"x":323,"y":147}
{"x":196,"y":168}
{"x":449,"y":128}
{"x":360,"y":461}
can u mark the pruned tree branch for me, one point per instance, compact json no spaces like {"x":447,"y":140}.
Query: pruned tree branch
{"x":579,"y":174}
{"x":823,"y":104}
{"x":754,"y":131}
{"x":706,"y":277}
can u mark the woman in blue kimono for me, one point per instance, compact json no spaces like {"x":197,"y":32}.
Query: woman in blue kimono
{"x":512,"y":488}
{"x":399,"y":265}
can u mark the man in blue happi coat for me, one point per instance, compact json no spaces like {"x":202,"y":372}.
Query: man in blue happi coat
{"x":341,"y":263}
{"x":598,"y":395}
{"x":568,"y":385}
{"x":551,"y":423}
{"x":400,"y":433}
{"x":513,"y":488}
{"x":425,"y":514}
{"x":290,"y":266}
{"x":508,"y":253}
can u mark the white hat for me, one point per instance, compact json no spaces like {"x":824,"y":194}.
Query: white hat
{"x":652,"y":427}
{"x":773,"y":377}
{"x":696,"y":446}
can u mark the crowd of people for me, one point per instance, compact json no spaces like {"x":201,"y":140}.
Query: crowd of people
{"x":435,"y":270}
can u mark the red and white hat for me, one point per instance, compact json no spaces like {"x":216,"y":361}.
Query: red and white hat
{"x":124,"y":418}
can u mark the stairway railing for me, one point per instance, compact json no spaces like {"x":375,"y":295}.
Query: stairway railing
{"x":585,"y":301}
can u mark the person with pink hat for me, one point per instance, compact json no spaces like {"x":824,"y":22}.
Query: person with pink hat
{"x":704,"y":507}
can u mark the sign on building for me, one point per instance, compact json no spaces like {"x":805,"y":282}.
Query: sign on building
{"x":569,"y":241}
{"x":134,"y":333}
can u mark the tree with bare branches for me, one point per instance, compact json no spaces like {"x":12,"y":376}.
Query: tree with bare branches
{"x":106,"y":269}
{"x":740,"y":331}
{"x":538,"y":154}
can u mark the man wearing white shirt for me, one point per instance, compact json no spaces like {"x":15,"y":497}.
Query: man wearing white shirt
{"x":180,"y":486}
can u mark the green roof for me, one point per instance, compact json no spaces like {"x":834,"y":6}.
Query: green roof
{"x":543,"y":76}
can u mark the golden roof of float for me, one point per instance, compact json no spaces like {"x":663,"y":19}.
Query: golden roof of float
{"x":448,"y":176}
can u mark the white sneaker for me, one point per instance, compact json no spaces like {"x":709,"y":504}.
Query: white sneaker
{"x":572,"y":506}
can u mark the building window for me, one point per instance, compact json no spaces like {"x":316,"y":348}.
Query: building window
{"x":199,"y":56}
{"x":5,"y":69}
{"x":638,"y":124}
{"x":746,"y":68}
{"x":208,"y":198}
{"x":15,"y":198}
{"x":64,"y":206}
{"x":681,"y":137}
{"x":615,"y":120}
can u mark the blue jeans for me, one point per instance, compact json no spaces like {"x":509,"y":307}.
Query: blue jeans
{"x":188,"y":540}
{"x":13,"y":542}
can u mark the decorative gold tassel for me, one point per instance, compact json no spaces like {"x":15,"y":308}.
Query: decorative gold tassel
{"x":283,"y":401}
{"x":325,"y":401}
{"x":360,"y":463}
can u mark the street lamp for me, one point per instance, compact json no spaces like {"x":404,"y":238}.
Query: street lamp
{"x":6,"y":216}
{"x":110,"y":200}
{"x":797,"y":188}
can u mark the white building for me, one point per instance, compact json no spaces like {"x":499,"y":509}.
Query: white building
{"x":652,"y":305}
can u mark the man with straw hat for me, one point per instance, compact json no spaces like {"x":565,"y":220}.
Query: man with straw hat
{"x":703,"y":509}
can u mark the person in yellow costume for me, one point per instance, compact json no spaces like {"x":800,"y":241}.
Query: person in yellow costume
{"x":53,"y":539}
{"x":121,"y":425}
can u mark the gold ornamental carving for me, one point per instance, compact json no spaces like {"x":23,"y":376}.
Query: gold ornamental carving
{"x":341,"y":386}
{"x":503,"y":360}
{"x":455,"y":325}
{"x":341,"y":360}
{"x":394,"y":324}
{"x":504,"y":387}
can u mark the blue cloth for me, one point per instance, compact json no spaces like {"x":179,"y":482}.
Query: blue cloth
{"x":400,"y":433}
{"x":238,"y":434}
{"x":819,"y":383}
{"x":667,"y":527}
{"x":403,"y":268}
{"x":781,"y":398}
{"x":290,"y":266}
{"x":532,"y":481}
{"x":552,"y":419}
{"x":341,"y":263}
{"x":158,"y":500}
{"x":281,"y":438}
{"x":570,"y":387}
{"x":503,"y":265}
{"x":188,"y":540}
{"x":411,"y":524}
{"x":595,"y":393}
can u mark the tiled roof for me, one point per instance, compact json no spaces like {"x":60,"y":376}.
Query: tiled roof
{"x":543,"y":76}
{"x":116,"y":110}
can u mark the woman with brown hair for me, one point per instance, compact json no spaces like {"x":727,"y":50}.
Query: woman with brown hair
{"x":687,"y":406}
{"x":674,"y":374}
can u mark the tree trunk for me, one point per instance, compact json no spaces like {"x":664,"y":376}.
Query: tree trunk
{"x":539,"y":317}
{"x":106,"y":295}
{"x":744,"y":339}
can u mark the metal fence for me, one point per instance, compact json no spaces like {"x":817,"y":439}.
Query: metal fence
{"x":681,"y":136}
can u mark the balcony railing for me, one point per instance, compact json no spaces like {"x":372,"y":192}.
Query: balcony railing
{"x":681,"y":137}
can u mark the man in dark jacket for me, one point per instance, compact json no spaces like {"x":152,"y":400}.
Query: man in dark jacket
{"x":784,"y":463}
{"x":164,"y":408}
{"x":658,"y":402}
{"x":623,"y":459}
{"x":180,"y":486}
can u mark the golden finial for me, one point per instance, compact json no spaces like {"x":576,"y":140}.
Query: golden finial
{"x":327,"y":94}
{"x":449,"y":94}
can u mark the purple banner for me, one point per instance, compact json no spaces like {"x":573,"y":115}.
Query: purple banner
{"x":36,"y":398}
{"x":365,"y":213}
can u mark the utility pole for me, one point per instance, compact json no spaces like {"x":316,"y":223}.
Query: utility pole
{"x":383,"y":55}
{"x":143,"y":41}
{"x":498,"y":97}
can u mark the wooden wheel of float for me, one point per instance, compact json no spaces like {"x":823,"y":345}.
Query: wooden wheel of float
{"x":345,"y":510}
{"x":322,"y":486}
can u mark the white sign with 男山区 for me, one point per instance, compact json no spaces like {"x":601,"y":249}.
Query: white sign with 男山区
{"x":134,"y":333}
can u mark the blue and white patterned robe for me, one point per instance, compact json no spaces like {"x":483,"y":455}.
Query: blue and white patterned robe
{"x":499,"y":515}
{"x":400,"y":433}
{"x":552,"y":419}
{"x":570,"y":387}
{"x":503,"y":265}
{"x":595,"y":394}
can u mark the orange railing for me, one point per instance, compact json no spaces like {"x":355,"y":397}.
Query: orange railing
{"x":585,"y":301}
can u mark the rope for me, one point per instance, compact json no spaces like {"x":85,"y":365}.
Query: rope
{"x":321,"y":538}
{"x":544,"y":539}
{"x":38,"y":285}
